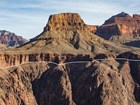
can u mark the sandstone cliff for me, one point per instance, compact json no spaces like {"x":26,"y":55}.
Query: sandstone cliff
{"x":42,"y":72}
{"x":11,"y":39}
{"x":92,"y":83}
{"x":121,"y":28}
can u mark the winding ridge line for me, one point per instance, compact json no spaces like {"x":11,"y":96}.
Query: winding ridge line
{"x":75,"y":62}
{"x":124,"y":59}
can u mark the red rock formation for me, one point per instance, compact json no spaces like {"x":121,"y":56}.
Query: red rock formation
{"x":10,"y":39}
{"x":65,"y":21}
{"x":66,"y":38}
{"x":122,"y":26}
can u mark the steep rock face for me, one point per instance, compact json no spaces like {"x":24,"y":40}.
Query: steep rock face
{"x":92,"y":83}
{"x":10,"y":39}
{"x":56,"y":86}
{"x":9,"y":60}
{"x":65,"y":21}
{"x":104,"y":82}
{"x":121,"y":27}
{"x":15,"y":84}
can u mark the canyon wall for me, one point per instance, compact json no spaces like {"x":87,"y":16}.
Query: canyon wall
{"x":8,"y":60}
{"x":92,"y":83}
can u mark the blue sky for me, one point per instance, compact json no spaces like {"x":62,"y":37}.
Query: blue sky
{"x":28,"y":17}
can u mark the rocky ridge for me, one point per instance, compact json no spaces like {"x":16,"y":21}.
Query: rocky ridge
{"x":11,"y":39}
{"x":121,"y":28}
{"x":66,"y":38}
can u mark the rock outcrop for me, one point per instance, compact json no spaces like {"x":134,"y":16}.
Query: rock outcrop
{"x":121,"y":28}
{"x":59,"y":67}
{"x":11,"y":39}
{"x":65,"y":22}
{"x":92,"y":28}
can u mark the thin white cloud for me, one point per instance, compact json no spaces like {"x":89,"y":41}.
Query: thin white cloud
{"x":100,"y":7}
{"x":86,"y":6}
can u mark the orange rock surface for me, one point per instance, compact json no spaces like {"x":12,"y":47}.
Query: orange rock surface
{"x":120,"y":25}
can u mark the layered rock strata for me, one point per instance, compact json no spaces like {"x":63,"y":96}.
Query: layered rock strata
{"x":10,"y":39}
{"x":92,"y":83}
{"x":121,"y":27}
{"x":70,"y":75}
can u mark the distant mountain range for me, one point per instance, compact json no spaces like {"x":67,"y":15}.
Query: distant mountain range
{"x":121,"y":28}
{"x":11,"y":39}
